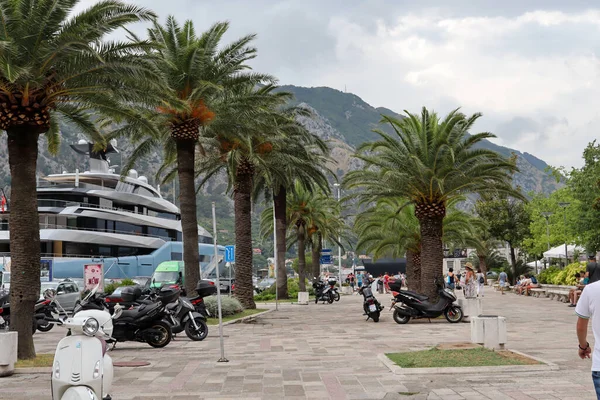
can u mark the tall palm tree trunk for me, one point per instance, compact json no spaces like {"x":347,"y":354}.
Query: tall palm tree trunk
{"x":186,"y":154}
{"x":24,"y":236}
{"x":413,"y":270}
{"x":301,"y":259}
{"x":316,"y":254}
{"x":513,"y":263}
{"x":483,"y":266}
{"x":280,"y":206}
{"x":432,"y":253}
{"x":242,"y":200}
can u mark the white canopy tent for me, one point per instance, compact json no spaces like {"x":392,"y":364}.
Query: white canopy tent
{"x":559,"y":251}
{"x":533,"y":263}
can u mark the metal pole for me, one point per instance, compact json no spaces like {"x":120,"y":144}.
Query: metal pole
{"x":276,"y":259}
{"x":214,"y":215}
{"x":337,"y":185}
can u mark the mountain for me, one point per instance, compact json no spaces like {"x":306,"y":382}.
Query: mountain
{"x":342,"y":118}
{"x":348,"y":121}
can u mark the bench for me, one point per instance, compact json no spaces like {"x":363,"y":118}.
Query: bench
{"x":558,"y":294}
{"x":553,"y":292}
{"x":538,"y":292}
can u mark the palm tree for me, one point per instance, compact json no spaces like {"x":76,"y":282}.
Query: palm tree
{"x":313,"y":215}
{"x":198,"y":72}
{"x":429,"y":162}
{"x":303,"y":158}
{"x":57,"y":66}
{"x":388,"y":229}
{"x":243,"y":140}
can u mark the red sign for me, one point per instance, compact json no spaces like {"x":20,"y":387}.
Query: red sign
{"x":93,"y":274}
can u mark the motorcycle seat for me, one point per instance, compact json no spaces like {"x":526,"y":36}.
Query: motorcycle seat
{"x":138,"y":311}
{"x":414,"y":294}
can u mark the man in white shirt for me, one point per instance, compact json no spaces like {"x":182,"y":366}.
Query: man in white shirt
{"x":586,"y":309}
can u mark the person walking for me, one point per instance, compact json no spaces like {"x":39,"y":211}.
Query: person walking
{"x":359,"y":279}
{"x":386,"y":282}
{"x":480,"y":279}
{"x":592,"y":269}
{"x":451,"y":279}
{"x":502,"y":279}
{"x":588,"y":303}
{"x":470,"y":291}
{"x":352,"y":281}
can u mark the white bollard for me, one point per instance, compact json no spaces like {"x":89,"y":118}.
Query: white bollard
{"x":489,"y":330}
{"x":303,"y":298}
{"x":471,"y":307}
{"x":8,"y":352}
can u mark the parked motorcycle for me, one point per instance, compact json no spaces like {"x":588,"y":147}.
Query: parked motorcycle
{"x":147,"y":323}
{"x":408,"y":304}
{"x":82,"y":369}
{"x":204,"y":289}
{"x":371,"y":306}
{"x":5,"y":314}
{"x":322,"y":291}
{"x":333,"y":289}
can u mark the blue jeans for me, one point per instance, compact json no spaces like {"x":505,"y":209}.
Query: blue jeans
{"x":596,"y":380}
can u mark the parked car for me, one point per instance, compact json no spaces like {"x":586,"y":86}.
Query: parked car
{"x":67,"y":293}
{"x":143,"y":281}
{"x":4,"y":280}
{"x":492,"y":274}
{"x":264,"y":285}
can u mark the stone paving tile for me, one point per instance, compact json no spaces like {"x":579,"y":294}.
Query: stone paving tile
{"x":289,"y":354}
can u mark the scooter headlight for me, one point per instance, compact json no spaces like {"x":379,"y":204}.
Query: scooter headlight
{"x":90,"y":327}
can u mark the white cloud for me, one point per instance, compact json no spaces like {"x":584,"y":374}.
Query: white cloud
{"x":482,"y":64}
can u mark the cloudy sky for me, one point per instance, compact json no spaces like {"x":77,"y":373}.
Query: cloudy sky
{"x":531,"y":67}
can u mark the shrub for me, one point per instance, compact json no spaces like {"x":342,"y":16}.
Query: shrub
{"x":229,"y":305}
{"x":110,"y":288}
{"x":547,"y":275}
{"x":567,"y":275}
{"x":127,"y":282}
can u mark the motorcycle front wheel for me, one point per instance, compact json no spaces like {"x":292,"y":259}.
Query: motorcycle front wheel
{"x":336,"y":296}
{"x":401,"y":319}
{"x":197,"y":335}
{"x":162,"y":339}
{"x":453,"y":314}
{"x":44,"y":328}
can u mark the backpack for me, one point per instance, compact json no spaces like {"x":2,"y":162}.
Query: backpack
{"x":481,"y":280}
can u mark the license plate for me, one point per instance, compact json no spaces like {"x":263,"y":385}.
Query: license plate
{"x":1,"y":321}
{"x":372,"y":307}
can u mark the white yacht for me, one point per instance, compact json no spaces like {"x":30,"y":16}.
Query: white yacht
{"x":99,"y":216}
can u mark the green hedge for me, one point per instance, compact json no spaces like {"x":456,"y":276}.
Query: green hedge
{"x":293,"y":289}
{"x":110,"y":288}
{"x":557,"y":276}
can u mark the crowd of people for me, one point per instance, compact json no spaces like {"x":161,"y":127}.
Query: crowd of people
{"x":382,"y":281}
{"x":471,"y":283}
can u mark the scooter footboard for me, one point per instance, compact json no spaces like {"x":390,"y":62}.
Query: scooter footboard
{"x":405,"y":312}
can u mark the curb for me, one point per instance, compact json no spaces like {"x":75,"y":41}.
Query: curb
{"x":36,"y":370}
{"x":395,"y":369}
{"x":246,"y":318}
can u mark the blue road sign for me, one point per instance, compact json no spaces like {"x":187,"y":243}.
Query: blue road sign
{"x":325,"y":251}
{"x":326,"y":259}
{"x":229,"y":253}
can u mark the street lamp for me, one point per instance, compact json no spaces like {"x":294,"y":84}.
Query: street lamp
{"x":547,"y":214}
{"x":564,"y":205}
{"x":339,"y":189}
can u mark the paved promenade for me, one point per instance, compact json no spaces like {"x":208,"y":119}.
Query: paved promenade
{"x":330,"y":352}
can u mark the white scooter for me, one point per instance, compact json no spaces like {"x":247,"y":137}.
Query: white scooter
{"x":82,"y":369}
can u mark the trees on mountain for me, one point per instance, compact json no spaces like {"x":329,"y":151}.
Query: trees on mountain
{"x":430,"y":161}
{"x":56,"y":65}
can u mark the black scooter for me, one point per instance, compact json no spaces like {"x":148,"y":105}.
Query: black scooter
{"x":408,"y":304}
{"x":322,"y":291}
{"x":371,"y":306}
{"x":5,"y":314}
{"x":147,"y":323}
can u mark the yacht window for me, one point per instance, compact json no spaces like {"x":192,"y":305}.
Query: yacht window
{"x":104,"y":251}
{"x":143,"y":191}
{"x":127,"y":228}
